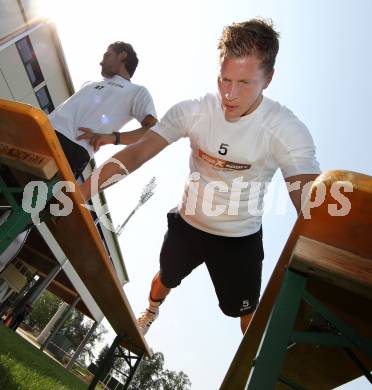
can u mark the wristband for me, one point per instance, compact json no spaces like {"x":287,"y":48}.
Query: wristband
{"x":117,"y":137}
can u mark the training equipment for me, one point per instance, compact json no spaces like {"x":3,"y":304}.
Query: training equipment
{"x":29,"y":144}
{"x":313,"y":326}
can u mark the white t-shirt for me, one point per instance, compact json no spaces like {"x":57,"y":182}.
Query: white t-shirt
{"x":230,"y":162}
{"x":104,"y":106}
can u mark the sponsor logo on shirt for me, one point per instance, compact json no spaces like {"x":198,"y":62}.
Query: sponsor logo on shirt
{"x":112,"y":83}
{"x":115,"y":84}
{"x":219,"y":163}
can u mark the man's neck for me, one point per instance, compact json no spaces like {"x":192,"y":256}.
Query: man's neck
{"x":124,"y":74}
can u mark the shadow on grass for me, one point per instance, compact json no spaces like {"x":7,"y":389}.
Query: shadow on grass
{"x":6,"y":380}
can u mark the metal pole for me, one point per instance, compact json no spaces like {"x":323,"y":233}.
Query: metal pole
{"x":132,"y":371}
{"x":59,"y":325}
{"x":270,"y":357}
{"x":34,"y":293}
{"x":36,"y":290}
{"x":82,"y":345}
{"x":121,"y":227}
{"x":107,"y":362}
{"x":147,"y":193}
{"x":49,"y":326}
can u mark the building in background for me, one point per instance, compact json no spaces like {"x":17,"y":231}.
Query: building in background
{"x":33,"y":70}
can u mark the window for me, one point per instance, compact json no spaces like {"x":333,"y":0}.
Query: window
{"x":25,"y":50}
{"x":27,"y":54}
{"x":30,"y":62}
{"x":45,"y":100}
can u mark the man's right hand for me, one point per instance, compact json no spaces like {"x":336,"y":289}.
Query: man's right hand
{"x":95,"y":139}
{"x":125,"y":161}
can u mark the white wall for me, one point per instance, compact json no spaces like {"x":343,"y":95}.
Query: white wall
{"x":15,"y":74}
{"x":14,"y":81}
{"x":10,"y":17}
{"x":46,"y":53}
{"x":5,"y":92}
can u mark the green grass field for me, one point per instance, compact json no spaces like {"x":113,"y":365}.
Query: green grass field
{"x":23,"y":367}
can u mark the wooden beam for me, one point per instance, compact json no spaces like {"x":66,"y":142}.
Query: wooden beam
{"x":333,"y":265}
{"x":351,"y":232}
{"x":76,"y":234}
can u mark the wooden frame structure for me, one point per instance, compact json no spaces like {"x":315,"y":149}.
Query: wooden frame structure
{"x":318,"y":337}
{"x":29,"y":144}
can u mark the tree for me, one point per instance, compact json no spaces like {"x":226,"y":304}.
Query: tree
{"x":102,"y":355}
{"x":43,"y":310}
{"x":93,"y":368}
{"x":151,"y":375}
{"x":75,"y":328}
{"x":175,"y":380}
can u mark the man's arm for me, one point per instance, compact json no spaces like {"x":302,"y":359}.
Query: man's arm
{"x":126,"y":138}
{"x":295,"y":185}
{"x":123,"y":163}
{"x":130,"y":137}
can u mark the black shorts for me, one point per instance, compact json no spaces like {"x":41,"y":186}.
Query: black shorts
{"x":76,"y":155}
{"x":234,"y":263}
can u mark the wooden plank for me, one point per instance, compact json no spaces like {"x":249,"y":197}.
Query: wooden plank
{"x":351,"y":232}
{"x":336,"y":266}
{"x":318,"y":367}
{"x":27,"y":161}
{"x":28,"y":128}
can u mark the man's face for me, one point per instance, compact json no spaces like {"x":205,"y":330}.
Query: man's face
{"x":111,"y":63}
{"x":240,"y":83}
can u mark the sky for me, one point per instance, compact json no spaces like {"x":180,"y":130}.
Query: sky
{"x":322,"y":74}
